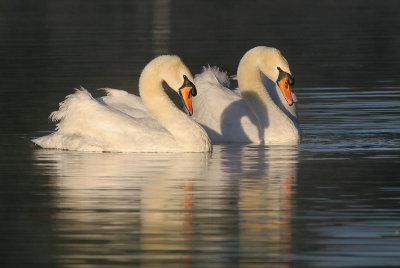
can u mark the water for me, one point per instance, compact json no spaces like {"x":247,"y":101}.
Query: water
{"x":331,"y":201}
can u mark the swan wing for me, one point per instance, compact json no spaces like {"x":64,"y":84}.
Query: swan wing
{"x":87,"y":124}
{"x":125,"y":102}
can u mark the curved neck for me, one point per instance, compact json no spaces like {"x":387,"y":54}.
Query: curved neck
{"x":254,"y":92}
{"x":160,"y":106}
{"x":248,"y":72}
{"x":269,"y":116}
{"x":176,"y":122}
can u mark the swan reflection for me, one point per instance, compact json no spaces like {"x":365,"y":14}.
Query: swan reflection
{"x":265,"y":204}
{"x":134,"y":203}
{"x":233,"y":206}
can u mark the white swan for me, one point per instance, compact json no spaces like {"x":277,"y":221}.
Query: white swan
{"x":120,"y":122}
{"x":263,"y":112}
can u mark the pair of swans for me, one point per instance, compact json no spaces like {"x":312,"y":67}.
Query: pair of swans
{"x":123,"y":122}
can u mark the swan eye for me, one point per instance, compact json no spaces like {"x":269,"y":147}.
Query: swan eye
{"x":188,"y":83}
{"x":193,"y":91}
{"x":283,"y":74}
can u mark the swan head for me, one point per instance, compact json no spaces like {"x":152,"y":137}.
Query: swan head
{"x":284,"y":81}
{"x":171,"y":70}
{"x":179,"y":78}
{"x":275,"y":67}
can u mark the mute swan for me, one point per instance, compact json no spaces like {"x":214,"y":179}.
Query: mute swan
{"x":263,"y":112}
{"x":122,"y":122}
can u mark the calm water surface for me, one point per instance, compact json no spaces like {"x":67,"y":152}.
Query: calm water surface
{"x":332,"y":201}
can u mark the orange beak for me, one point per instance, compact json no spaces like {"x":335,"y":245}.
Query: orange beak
{"x":285,"y":88}
{"x":186,"y":95}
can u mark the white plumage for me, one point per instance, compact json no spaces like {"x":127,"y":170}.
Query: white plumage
{"x":258,"y":113}
{"x":123,"y":122}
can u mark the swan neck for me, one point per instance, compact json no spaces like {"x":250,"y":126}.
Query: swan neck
{"x":175,"y":121}
{"x":251,"y":86}
{"x":269,"y":115}
{"x":248,"y":73}
{"x":159,"y":104}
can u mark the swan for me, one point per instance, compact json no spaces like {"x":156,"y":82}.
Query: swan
{"x":123,"y":122}
{"x":263,"y":111}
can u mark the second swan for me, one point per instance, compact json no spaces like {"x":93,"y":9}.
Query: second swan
{"x":263,"y":112}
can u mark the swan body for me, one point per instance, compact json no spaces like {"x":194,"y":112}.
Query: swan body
{"x":261,"y":112}
{"x":123,"y":122}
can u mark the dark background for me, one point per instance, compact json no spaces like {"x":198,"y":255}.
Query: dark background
{"x":343,"y":54}
{"x":50,"y":47}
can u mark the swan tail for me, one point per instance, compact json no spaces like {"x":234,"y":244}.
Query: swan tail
{"x":66,"y":105}
{"x":212,"y":75}
{"x":68,"y":142}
